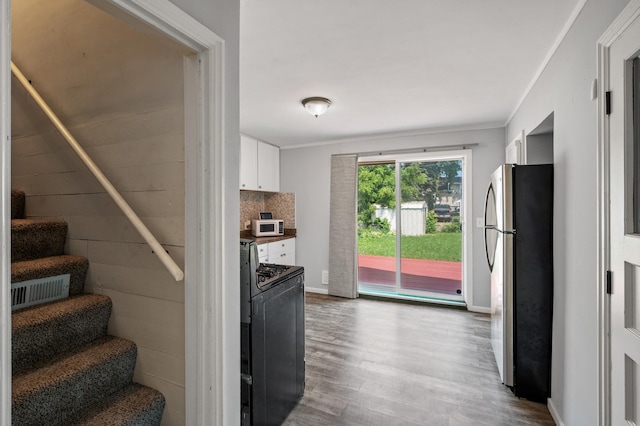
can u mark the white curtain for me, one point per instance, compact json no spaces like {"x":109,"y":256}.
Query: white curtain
{"x":343,"y":264}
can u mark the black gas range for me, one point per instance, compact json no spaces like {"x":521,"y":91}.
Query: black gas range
{"x":272,"y":338}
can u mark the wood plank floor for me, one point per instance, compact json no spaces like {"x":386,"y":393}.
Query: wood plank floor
{"x":371,"y":362}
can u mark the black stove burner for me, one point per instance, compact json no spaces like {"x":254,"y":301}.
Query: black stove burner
{"x":269,"y":270}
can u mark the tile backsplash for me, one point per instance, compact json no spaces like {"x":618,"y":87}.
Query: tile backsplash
{"x":281,"y":204}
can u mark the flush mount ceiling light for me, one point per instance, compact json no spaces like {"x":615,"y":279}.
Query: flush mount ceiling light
{"x":316,"y":105}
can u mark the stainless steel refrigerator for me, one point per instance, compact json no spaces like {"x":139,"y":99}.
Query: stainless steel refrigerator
{"x":519,"y":247}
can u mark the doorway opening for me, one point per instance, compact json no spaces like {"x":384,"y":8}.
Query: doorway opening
{"x":539,"y":143}
{"x":411,"y":226}
{"x":204,"y":174}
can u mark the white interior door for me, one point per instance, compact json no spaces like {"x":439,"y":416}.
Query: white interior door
{"x":624,"y":166}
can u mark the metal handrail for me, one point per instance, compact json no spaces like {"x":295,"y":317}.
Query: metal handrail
{"x":166,"y":260}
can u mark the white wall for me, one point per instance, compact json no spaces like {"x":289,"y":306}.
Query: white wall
{"x":539,"y":149}
{"x":306,"y":171}
{"x":564,"y":90}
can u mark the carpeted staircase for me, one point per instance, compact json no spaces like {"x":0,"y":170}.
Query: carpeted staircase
{"x":66,"y":369}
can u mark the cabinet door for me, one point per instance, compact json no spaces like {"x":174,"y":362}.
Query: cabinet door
{"x":283,"y":252}
{"x":289,"y":257}
{"x":248,"y":163}
{"x":268,"y":167}
{"x":263,"y":253}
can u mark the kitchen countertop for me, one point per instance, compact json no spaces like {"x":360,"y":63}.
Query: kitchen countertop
{"x":288,"y":233}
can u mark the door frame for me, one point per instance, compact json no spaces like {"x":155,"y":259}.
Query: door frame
{"x":466,"y":218}
{"x":519,"y":145}
{"x":211,"y":365}
{"x":630,"y":13}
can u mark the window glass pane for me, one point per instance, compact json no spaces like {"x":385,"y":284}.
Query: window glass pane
{"x":431,"y":241}
{"x":376,"y":227}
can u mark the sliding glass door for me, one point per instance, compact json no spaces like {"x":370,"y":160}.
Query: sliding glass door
{"x":410,"y":232}
{"x":377,"y":245}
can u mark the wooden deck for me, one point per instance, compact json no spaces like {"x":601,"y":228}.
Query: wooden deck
{"x":417,"y":274}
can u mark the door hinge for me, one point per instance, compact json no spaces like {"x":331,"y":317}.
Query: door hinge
{"x":607,"y":103}
{"x":608,"y":282}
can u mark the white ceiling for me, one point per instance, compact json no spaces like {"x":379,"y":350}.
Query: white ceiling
{"x":389,"y":66}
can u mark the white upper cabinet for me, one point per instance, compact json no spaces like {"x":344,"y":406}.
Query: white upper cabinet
{"x":248,"y":163}
{"x":268,"y":167}
{"x":259,"y":165}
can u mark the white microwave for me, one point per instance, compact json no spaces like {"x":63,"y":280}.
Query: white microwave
{"x":267,"y":227}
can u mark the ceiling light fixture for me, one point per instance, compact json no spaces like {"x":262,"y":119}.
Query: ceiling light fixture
{"x":316,"y":105}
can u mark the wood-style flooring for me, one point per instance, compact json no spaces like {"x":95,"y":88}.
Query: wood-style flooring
{"x":372,"y":362}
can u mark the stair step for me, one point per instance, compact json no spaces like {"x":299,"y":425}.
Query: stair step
{"x":135,"y":405}
{"x":41,"y":332}
{"x":71,"y":382}
{"x":76,"y":266}
{"x":17,"y":204}
{"x":34,"y":238}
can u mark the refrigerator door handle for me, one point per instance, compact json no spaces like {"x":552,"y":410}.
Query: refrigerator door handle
{"x":512,"y":232}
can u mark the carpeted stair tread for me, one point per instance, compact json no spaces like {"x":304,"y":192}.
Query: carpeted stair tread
{"x":65,"y":369}
{"x":72,"y":381}
{"x":17,"y":204}
{"x":135,"y":405}
{"x":34,"y":238}
{"x":76,"y":266}
{"x":41,"y":332}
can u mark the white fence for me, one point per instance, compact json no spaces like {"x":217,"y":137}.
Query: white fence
{"x":413,"y":217}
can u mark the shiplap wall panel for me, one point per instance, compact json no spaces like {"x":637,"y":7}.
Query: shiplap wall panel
{"x":132,"y":255}
{"x":26,"y":119}
{"x":126,"y":179}
{"x":116,"y":228}
{"x":136,"y":281}
{"x":40,"y":143}
{"x":155,"y":363}
{"x":154,"y":323}
{"x":154,"y":150}
{"x":121,"y":95}
{"x":148,"y":125}
{"x":165,"y":149}
{"x":132,"y":127}
{"x":160,"y":204}
{"x":77,"y":247}
{"x":81,"y":182}
{"x":47,"y":163}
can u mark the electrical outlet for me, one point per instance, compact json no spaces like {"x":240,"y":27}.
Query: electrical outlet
{"x":247,"y":224}
{"x":325,"y":277}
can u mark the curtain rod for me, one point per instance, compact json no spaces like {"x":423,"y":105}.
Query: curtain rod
{"x":411,"y":150}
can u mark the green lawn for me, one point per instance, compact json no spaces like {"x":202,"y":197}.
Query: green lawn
{"x":438,"y":246}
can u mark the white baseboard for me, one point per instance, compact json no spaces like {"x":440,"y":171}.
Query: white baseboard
{"x":479,"y":309}
{"x":554,"y":413}
{"x":316,"y":290}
